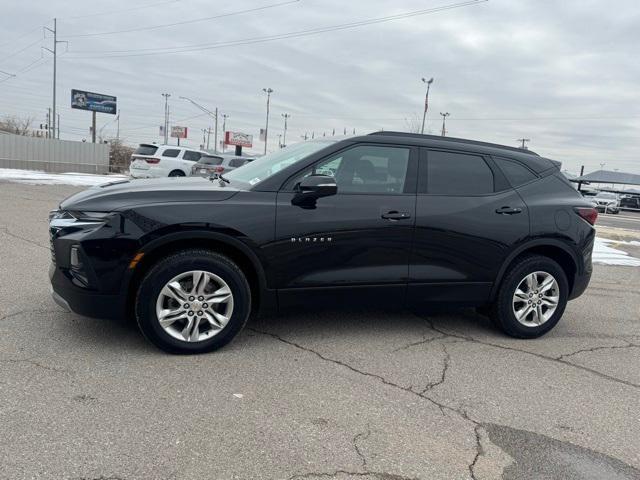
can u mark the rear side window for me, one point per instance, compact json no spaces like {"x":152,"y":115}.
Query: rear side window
{"x":171,"y":152}
{"x":210,"y":160}
{"x":449,"y":173}
{"x":516,"y":173}
{"x":145,"y":150}
{"x":191,"y":155}
{"x":236,"y":162}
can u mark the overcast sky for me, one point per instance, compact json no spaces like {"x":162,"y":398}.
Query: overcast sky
{"x":563,"y":73}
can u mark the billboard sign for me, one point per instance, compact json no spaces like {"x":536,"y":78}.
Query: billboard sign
{"x":238,"y":139}
{"x":178,"y":132}
{"x":94,"y":102}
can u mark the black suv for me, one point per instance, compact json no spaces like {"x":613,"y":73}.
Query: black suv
{"x":389,"y":218}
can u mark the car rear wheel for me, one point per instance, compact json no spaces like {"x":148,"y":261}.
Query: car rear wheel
{"x":194,"y":301}
{"x":532,"y":297}
{"x":176,"y":173}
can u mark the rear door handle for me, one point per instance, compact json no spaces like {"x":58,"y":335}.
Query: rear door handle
{"x":395,"y":215}
{"x":508,"y":210}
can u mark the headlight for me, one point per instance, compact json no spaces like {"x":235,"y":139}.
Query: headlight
{"x":65,"y":218}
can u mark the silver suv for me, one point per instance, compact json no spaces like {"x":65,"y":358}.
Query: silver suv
{"x":219,"y":163}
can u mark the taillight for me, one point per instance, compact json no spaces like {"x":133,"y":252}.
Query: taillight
{"x":152,"y":160}
{"x":589,"y":214}
{"x":219,"y":169}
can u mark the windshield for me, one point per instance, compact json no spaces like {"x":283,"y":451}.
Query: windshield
{"x":263,"y":167}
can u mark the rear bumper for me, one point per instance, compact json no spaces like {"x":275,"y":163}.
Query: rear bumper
{"x":580,"y":284}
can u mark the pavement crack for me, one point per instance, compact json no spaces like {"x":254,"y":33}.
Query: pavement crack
{"x":595,"y":349}
{"x":361,"y":436}
{"x":534,"y":354}
{"x":6,"y":231}
{"x":479,"y":452}
{"x":442,"y":407}
{"x":21,"y":312}
{"x":443,"y":373}
{"x":420,"y":342}
{"x":35,"y":363}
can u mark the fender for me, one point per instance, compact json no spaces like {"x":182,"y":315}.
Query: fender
{"x":199,"y":234}
{"x":537,"y":242}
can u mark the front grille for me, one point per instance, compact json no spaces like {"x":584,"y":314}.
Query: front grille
{"x":52,"y":233}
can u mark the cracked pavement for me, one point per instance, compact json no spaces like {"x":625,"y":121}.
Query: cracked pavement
{"x":357,"y":394}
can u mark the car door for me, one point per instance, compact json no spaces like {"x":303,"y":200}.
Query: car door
{"x":355,"y":243}
{"x":467,"y":220}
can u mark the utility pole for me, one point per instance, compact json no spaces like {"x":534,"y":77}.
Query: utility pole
{"x":280,"y":140}
{"x":58,"y":125}
{"x":426,"y":103}
{"x":93,"y":127}
{"x":444,"y":117}
{"x":49,"y":122}
{"x":523,"y":141}
{"x":208,"y":137}
{"x":52,"y":123}
{"x":118,"y":127}
{"x":268,"y":91}
{"x":215,"y":135}
{"x":224,"y":131}
{"x":286,"y":116}
{"x":166,"y":117}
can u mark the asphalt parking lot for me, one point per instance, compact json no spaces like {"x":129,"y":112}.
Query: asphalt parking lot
{"x":360,"y":394}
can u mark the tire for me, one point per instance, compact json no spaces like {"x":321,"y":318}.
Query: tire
{"x":502,"y":310}
{"x":222,"y":275}
{"x":176,"y":173}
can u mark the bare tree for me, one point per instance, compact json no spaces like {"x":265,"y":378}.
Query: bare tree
{"x":413,"y":124}
{"x":16,"y":125}
{"x":119,"y":155}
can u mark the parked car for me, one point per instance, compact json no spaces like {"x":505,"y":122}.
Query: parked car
{"x":606,"y":202}
{"x":210,"y":164}
{"x":393,"y":219}
{"x":153,"y":161}
{"x":631,"y":202}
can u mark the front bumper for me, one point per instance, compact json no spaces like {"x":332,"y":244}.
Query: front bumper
{"x":86,"y":303}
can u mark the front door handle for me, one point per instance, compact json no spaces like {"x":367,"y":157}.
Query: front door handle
{"x":395,"y":215}
{"x":508,"y":210}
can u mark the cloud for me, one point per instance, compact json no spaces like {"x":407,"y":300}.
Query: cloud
{"x":561,"y":73}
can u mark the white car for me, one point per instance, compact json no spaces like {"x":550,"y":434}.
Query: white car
{"x":153,"y":161}
{"x":606,"y":202}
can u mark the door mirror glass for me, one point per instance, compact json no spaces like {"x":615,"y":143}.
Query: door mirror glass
{"x":313,"y":187}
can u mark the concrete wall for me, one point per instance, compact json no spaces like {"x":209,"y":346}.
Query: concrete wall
{"x":58,"y":156}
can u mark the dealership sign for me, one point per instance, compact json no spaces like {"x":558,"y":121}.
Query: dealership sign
{"x":238,"y":139}
{"x":94,"y":102}
{"x":179,"y":132}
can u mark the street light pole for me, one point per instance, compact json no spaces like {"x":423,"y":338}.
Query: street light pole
{"x":523,"y":141}
{"x":166,"y":117}
{"x":213,"y":115}
{"x":444,"y":117}
{"x":426,"y":102}
{"x":268,"y":91}
{"x":286,"y":116}
{"x":224,"y":131}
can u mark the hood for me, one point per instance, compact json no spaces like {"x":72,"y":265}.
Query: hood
{"x":122,"y":194}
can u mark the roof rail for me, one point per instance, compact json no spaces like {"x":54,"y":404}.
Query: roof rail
{"x":454,"y":140}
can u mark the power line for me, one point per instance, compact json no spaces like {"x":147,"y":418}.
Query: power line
{"x":17,"y":52}
{"x":29,"y":32}
{"x":113,"y":12}
{"x":268,"y":38}
{"x":185,"y":22}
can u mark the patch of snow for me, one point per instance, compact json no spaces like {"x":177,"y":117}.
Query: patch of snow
{"x":35,"y":177}
{"x":604,"y":254}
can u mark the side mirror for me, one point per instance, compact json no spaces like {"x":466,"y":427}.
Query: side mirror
{"x":313,"y":187}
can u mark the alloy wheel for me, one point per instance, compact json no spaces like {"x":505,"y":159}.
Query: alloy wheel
{"x":194,"y":306}
{"x":536,"y":299}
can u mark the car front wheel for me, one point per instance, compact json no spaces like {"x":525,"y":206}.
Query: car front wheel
{"x":193,"y":301}
{"x":532,"y":297}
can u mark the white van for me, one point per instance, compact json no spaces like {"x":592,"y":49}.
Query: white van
{"x":152,"y":161}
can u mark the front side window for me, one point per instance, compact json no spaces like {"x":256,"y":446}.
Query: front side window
{"x":449,"y":173}
{"x":171,"y":152}
{"x":191,"y":155}
{"x":366,"y":169}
